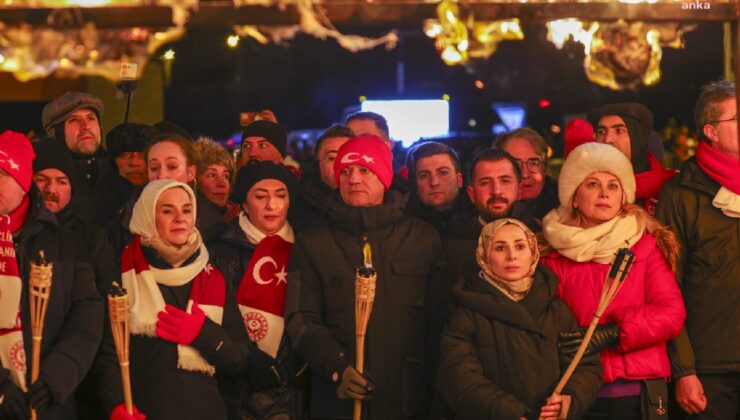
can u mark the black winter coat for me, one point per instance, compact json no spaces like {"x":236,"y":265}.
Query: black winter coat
{"x":74,"y":317}
{"x":708,"y":274}
{"x":439,"y":221}
{"x":320,"y":306}
{"x":499,"y":358}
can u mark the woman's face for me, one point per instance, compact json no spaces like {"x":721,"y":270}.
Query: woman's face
{"x":510,"y":256}
{"x":267,"y":205}
{"x":599,"y":198}
{"x":174,"y":216}
{"x":166,"y":160}
{"x":214,"y":182}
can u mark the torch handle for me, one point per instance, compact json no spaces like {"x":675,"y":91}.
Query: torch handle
{"x":35,"y":363}
{"x":577,"y":358}
{"x":126,"y":379}
{"x":360,"y":366}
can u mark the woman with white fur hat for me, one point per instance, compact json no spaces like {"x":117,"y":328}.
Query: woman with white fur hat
{"x":596,"y":217}
{"x":184,"y":322}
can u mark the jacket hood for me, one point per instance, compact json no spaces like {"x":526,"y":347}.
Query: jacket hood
{"x":363,"y":219}
{"x":39,"y":218}
{"x":475,"y":293}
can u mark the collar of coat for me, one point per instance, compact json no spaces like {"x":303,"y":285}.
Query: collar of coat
{"x":367,"y":219}
{"x":693,"y":177}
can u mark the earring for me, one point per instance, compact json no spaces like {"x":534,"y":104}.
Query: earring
{"x":575,"y":206}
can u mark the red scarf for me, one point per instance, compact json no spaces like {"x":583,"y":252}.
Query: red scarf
{"x":12,"y":353}
{"x":261,"y":295}
{"x":720,"y":167}
{"x":145,"y":298}
{"x":650,"y":182}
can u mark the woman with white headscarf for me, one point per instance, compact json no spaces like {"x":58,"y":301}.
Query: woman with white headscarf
{"x":499,"y":356}
{"x":185,"y":325}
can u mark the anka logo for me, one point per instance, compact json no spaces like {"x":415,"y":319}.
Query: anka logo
{"x":696,"y":5}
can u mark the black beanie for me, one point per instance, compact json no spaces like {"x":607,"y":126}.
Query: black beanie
{"x":255,"y":172}
{"x":272,"y":132}
{"x":52,"y":154}
{"x":129,"y":137}
{"x":639,"y":121}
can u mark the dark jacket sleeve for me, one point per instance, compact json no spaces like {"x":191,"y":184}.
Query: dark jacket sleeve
{"x":461,"y":379}
{"x":69,"y":358}
{"x":586,"y":380}
{"x":671,"y":214}
{"x":226,"y":346}
{"x":305,"y":324}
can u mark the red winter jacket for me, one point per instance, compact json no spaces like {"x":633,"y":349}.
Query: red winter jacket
{"x":648,"y":309}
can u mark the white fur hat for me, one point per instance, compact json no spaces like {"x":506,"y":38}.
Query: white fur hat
{"x":594,"y":157}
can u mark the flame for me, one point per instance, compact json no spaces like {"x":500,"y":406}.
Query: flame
{"x":559,"y":31}
{"x":367,"y":254}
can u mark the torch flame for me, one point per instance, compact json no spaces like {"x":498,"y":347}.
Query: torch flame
{"x":367,"y":254}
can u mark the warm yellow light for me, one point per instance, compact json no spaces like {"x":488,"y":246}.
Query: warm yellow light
{"x":65,"y":63}
{"x":446,"y":97}
{"x":463,"y":45}
{"x":432,"y":28}
{"x":232,"y":41}
{"x":555,"y":129}
{"x":362,"y":98}
{"x":451,"y":56}
{"x":479,"y":84}
{"x":169,"y":55}
{"x":2,"y":59}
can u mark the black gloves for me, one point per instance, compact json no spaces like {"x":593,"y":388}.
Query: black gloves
{"x":606,"y":335}
{"x":262,"y":371}
{"x":39,"y":395}
{"x":13,"y":404}
{"x":354,"y":385}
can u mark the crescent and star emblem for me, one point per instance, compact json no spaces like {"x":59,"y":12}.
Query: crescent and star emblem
{"x":280,"y":275}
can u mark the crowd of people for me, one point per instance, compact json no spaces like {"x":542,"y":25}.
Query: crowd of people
{"x":240,"y":273}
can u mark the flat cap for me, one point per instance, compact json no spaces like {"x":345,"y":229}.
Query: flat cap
{"x":57,"y":110}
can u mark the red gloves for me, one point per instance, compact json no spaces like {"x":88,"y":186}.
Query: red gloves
{"x":120,"y":413}
{"x":178,"y":326}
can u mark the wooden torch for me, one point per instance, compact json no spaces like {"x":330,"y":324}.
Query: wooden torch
{"x":365,"y":279}
{"x":118,"y":314}
{"x":39,"y":289}
{"x":615,"y":279}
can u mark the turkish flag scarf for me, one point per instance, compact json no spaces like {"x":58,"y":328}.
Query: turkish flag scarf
{"x":261,"y":294}
{"x":12,"y":353}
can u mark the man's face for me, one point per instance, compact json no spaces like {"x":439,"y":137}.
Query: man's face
{"x":82,"y":132}
{"x":494,"y":188}
{"x":326,"y":156}
{"x":368,"y":128}
{"x":723,"y":133}
{"x":437,"y":181}
{"x":613,"y":131}
{"x":11,"y":194}
{"x":259,"y":149}
{"x":360,"y":187}
{"x":132,"y":167}
{"x":532,"y":166}
{"x":55,"y":188}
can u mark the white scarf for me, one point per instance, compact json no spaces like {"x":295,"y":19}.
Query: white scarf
{"x":598,"y":243}
{"x":254,"y":235}
{"x":728,"y":202}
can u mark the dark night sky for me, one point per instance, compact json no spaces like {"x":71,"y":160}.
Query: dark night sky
{"x":309,"y":82}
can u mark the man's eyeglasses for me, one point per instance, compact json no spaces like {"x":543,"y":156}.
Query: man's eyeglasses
{"x":533,"y":164}
{"x":721,"y":121}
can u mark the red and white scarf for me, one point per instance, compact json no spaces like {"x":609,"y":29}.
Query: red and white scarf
{"x":12,"y":352}
{"x":261,"y":294}
{"x":726,"y":171}
{"x":146,"y":301}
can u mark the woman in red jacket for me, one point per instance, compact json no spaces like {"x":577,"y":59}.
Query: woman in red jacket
{"x":596,"y":217}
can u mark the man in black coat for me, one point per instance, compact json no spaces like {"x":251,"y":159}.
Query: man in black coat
{"x":321,"y":293}
{"x":494,"y":191}
{"x":54,"y":176}
{"x":74,"y":318}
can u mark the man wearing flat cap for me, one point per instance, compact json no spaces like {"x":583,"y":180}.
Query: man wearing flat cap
{"x":628,"y":127}
{"x":126,"y":143}
{"x":321,"y":293}
{"x":74,"y":118}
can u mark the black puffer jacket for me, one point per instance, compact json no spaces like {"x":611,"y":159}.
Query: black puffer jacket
{"x":499,"y":358}
{"x":74,"y":318}
{"x":320,"y":306}
{"x":708,"y":273}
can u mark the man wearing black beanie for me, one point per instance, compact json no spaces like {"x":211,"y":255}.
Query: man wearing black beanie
{"x":628,"y":127}
{"x":263,"y":140}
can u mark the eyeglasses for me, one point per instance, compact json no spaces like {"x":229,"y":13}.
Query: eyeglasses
{"x":533,"y":164}
{"x":721,"y":121}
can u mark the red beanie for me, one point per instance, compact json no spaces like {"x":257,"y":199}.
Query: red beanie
{"x":370,"y":152}
{"x":16,"y":158}
{"x":577,"y":132}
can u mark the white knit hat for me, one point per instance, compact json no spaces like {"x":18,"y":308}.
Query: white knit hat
{"x":594,"y":157}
